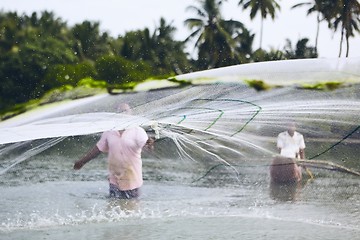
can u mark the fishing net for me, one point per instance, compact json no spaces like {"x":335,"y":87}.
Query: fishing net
{"x":217,"y":126}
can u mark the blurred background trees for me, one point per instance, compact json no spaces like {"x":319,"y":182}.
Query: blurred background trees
{"x":40,"y":52}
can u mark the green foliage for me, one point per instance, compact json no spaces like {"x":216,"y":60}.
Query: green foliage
{"x":141,"y":70}
{"x":218,"y":41}
{"x":116,"y":70}
{"x":89,"y":43}
{"x":340,"y":14}
{"x":28,"y":47}
{"x":40,"y":53}
{"x":70,"y":92}
{"x":10,"y":87}
{"x":258,"y":85}
{"x":91,"y":83}
{"x":261,"y":55}
{"x":158,"y":49}
{"x":168,"y":55}
{"x":182,"y":83}
{"x":343,"y":14}
{"x":56,"y":94}
{"x":18,"y":109}
{"x":60,"y":74}
{"x":137,"y":45}
{"x":264,"y":7}
{"x":323,"y":86}
{"x":302,"y":50}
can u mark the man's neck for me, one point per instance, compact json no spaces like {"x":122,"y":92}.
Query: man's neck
{"x":291,"y":134}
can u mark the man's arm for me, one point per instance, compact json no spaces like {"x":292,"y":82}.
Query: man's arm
{"x":93,"y":153}
{"x":302,"y":153}
{"x":279,"y":143}
{"x":150,"y":143}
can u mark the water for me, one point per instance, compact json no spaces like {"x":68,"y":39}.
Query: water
{"x":207,"y":178}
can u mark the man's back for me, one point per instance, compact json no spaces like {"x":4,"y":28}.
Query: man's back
{"x":124,"y":156}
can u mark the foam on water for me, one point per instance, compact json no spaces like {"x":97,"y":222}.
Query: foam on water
{"x":78,"y":207}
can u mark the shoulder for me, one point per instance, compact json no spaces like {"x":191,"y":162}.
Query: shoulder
{"x":283,"y":134}
{"x":297,"y":134}
{"x":138,"y":135}
{"x":137,"y":132}
{"x":108,"y":133}
{"x":299,"y":137}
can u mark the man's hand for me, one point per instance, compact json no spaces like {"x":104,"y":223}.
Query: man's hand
{"x":150,"y":143}
{"x":78,"y":165}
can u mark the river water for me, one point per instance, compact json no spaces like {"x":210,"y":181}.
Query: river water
{"x":207,"y":176}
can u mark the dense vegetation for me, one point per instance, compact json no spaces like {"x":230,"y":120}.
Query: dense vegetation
{"x":41,"y":53}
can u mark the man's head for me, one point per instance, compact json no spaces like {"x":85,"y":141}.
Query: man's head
{"x":291,"y":128}
{"x":124,"y":108}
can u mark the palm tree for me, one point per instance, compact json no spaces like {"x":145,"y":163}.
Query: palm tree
{"x":265,"y":7}
{"x":169,"y":53}
{"x":244,"y":42}
{"x":301,"y":50}
{"x":315,"y":7}
{"x":48,"y":24}
{"x":347,"y":16}
{"x":90,"y":42}
{"x":215,"y":43}
{"x":158,"y":48}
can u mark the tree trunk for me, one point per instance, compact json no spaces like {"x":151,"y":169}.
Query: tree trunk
{"x":341,"y":40}
{"x":261,"y":30}
{"x":347,"y":46}
{"x":317,"y":32}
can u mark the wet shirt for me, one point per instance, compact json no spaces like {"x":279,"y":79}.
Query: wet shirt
{"x":124,"y":156}
{"x":290,"y":145}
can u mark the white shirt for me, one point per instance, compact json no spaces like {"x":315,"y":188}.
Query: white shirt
{"x":290,"y":145}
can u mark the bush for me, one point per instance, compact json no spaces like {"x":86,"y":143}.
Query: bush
{"x":91,"y":83}
{"x":116,"y":70}
{"x":62,"y":74}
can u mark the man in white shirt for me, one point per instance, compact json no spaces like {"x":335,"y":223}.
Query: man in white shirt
{"x":291,"y":143}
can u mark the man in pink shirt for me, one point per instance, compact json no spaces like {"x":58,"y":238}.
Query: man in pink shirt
{"x":124,"y":160}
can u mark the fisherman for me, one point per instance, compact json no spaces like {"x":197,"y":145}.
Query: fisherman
{"x":291,"y":146}
{"x":291,"y":143}
{"x":124,"y":150}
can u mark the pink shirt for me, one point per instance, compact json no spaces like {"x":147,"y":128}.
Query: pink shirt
{"x":124,"y":156}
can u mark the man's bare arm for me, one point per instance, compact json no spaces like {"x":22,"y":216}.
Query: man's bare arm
{"x":302,"y":154}
{"x":93,"y":153}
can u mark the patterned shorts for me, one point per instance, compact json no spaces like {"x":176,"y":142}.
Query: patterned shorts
{"x":127,"y":194}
